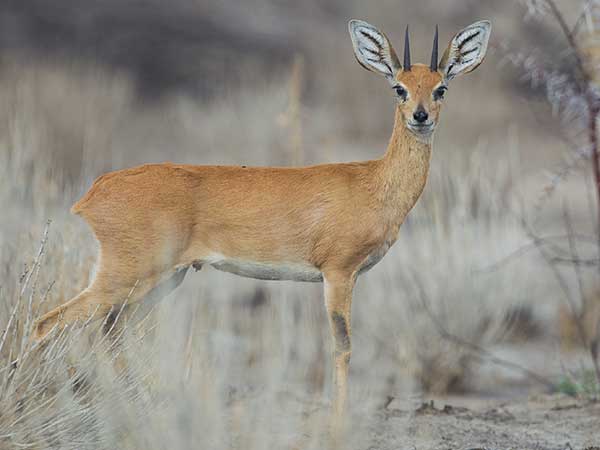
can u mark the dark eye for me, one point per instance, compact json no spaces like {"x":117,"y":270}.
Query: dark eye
{"x":438,"y":94}
{"x":401,"y":92}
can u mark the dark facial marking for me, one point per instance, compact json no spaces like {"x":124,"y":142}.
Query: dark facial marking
{"x":439,"y":93}
{"x":401,"y":92}
{"x":342,"y":339}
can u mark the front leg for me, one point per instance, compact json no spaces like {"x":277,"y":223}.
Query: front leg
{"x":338,"y":300}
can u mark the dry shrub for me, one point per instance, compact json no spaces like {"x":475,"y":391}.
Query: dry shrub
{"x":210,"y":360}
{"x":44,"y":403}
{"x":585,"y":320}
{"x":219,"y":365}
{"x":522,"y":325}
{"x":441,"y":270}
{"x":66,"y":116}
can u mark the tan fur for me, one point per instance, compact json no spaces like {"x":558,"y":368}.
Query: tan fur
{"x":155,"y":221}
{"x":421,"y":82}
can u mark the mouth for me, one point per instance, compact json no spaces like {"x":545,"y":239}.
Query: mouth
{"x":423,"y":129}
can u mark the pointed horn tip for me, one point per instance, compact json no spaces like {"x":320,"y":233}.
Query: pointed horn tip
{"x":434,"y":52}
{"x":407,"y":63}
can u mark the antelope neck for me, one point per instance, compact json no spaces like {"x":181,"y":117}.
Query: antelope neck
{"x":404,"y":167}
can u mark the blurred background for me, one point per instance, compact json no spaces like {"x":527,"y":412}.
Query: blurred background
{"x":161,"y":57}
{"x":89,"y":87}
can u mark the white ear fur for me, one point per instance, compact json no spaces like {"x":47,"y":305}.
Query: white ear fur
{"x":372,"y":49}
{"x":466,"y":50}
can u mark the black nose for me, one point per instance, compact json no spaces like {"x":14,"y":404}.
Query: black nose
{"x":420,"y":115}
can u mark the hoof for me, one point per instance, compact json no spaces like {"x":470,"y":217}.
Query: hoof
{"x":42,"y":328}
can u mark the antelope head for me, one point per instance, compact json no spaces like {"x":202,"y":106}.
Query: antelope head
{"x":419,"y":88}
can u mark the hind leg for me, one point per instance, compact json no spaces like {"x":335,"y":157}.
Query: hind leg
{"x":113,"y":330}
{"x":81,"y":307}
{"x":112,"y":327}
{"x":94,"y":302}
{"x":157,"y":293}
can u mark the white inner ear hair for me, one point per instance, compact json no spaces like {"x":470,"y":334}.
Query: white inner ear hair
{"x":370,"y":39}
{"x":466,"y":50}
{"x":372,"y":48}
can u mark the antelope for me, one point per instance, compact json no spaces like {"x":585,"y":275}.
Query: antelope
{"x":324,"y":223}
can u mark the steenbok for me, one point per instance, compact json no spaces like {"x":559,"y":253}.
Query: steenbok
{"x":326,"y":223}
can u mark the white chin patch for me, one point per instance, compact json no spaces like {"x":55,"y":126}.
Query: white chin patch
{"x":422,"y":134}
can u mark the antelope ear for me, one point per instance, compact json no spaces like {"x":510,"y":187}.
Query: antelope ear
{"x":466,"y":50}
{"x":373,"y":50}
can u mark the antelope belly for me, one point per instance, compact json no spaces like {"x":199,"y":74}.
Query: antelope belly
{"x":267,"y":271}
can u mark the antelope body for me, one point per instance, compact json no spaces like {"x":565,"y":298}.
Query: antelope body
{"x":321,"y":223}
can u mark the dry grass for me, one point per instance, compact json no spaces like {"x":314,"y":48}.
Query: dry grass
{"x":225,"y":362}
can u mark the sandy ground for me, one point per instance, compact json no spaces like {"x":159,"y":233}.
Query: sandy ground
{"x":539,"y":422}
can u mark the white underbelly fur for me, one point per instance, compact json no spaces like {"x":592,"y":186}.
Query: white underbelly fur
{"x":283,"y":271}
{"x":269,"y":271}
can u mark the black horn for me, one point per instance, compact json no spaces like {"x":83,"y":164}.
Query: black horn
{"x":406,"y":50}
{"x":434,"y":52}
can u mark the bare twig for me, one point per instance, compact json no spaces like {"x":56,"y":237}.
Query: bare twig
{"x":586,"y":86}
{"x":26,"y":280}
{"x":585,"y":10}
{"x":536,"y":242}
{"x":592,"y":103}
{"x":107,"y":333}
{"x":579,"y":262}
{"x":570,"y":37}
{"x":444,"y":333}
{"x":576,"y":269}
{"x":589,"y":342}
